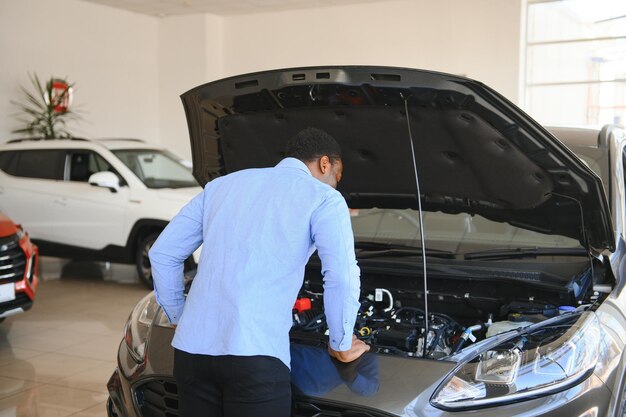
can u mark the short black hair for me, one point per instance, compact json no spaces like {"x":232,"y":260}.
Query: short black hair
{"x":312,"y":143}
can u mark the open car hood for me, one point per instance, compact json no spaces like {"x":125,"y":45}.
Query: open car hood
{"x":476,"y":152}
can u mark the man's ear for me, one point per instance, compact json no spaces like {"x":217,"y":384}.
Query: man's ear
{"x":324,"y":163}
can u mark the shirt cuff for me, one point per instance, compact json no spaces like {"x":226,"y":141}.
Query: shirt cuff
{"x":173,"y":314}
{"x":341,"y":343}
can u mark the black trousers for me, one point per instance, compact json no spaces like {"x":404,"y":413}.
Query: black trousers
{"x":231,"y":386}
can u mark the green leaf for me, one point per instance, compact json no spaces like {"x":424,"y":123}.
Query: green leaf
{"x":38,"y":116}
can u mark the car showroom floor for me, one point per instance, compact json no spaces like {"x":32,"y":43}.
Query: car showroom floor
{"x":56,"y":358}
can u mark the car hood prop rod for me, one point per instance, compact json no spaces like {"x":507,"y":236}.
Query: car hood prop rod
{"x":421,"y":221}
{"x":584,"y":230}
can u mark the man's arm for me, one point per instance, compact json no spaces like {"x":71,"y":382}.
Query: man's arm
{"x":181,"y":237}
{"x":332,"y":236}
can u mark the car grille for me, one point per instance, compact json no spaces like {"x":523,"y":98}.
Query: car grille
{"x":21,"y":300}
{"x":310,"y":407}
{"x":12,"y":260}
{"x":159,"y":398}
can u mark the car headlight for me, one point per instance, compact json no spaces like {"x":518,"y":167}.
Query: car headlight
{"x":138,"y":326}
{"x":541,"y":361}
{"x":20,"y":232}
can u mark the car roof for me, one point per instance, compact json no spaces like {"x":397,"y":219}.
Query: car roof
{"x":576,"y":136}
{"x":113,"y":143}
{"x":108,"y":143}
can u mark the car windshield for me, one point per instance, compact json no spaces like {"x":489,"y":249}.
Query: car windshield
{"x":156,"y":168}
{"x":596,"y":159}
{"x":457,"y":233}
{"x":462,"y":233}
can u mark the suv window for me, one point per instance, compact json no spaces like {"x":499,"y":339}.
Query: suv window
{"x":8,"y":162}
{"x":43,"y":164}
{"x":81,"y":164}
{"x":157,"y":169}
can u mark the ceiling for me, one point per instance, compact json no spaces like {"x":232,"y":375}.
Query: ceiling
{"x":164,"y":8}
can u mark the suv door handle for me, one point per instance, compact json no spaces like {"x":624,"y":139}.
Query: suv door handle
{"x":60,"y":201}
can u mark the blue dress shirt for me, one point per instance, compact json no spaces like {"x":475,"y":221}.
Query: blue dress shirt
{"x":259,"y":228}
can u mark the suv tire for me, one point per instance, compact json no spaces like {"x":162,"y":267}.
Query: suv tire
{"x":142,"y":261}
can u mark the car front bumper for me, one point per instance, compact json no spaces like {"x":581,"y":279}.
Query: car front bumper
{"x":20,"y":304}
{"x":25,"y":284}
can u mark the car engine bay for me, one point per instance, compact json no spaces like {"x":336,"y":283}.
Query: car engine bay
{"x":464,"y":306}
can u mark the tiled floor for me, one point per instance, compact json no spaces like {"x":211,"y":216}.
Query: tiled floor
{"x":56,"y":358}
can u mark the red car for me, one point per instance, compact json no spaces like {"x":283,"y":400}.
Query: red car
{"x":19,"y":259}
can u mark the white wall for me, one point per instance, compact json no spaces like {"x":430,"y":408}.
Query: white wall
{"x":111,"y":56}
{"x":190,"y":54}
{"x":130,"y":69}
{"x":477,"y":38}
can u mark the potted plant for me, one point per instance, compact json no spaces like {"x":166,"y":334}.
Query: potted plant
{"x":45,"y":112}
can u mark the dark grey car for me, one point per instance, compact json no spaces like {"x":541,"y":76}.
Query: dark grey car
{"x":524,"y":313}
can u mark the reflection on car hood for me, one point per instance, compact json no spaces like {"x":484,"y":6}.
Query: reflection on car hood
{"x":380,"y":382}
{"x":476,"y":152}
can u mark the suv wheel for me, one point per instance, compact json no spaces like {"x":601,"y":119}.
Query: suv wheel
{"x":142,"y":260}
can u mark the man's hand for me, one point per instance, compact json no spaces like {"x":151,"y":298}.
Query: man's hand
{"x":358,"y":348}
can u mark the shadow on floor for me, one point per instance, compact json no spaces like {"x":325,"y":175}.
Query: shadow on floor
{"x":57,"y":268}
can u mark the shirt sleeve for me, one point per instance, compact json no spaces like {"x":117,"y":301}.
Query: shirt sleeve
{"x":181,"y":237}
{"x":332,"y":235}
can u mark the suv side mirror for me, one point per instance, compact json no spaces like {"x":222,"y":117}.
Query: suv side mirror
{"x":105,"y":179}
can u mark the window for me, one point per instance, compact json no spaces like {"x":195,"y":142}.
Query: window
{"x":82,"y":164}
{"x":43,"y":164}
{"x":459,"y":233}
{"x":576,"y":62}
{"x":8,"y":162}
{"x":157,"y":169}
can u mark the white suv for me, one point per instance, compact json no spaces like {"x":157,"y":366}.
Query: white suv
{"x":104,"y":200}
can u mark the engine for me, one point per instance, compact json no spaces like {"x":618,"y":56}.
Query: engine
{"x":387,"y":323}
{"x":393,"y":322}
{"x":467,"y":303}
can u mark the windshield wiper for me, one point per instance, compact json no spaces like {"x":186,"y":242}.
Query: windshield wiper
{"x":369,"y":249}
{"x":507,"y":253}
{"x":404,"y":252}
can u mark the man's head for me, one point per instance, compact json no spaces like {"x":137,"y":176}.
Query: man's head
{"x":320,"y":152}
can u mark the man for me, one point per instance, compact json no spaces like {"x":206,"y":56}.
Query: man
{"x":259,"y":228}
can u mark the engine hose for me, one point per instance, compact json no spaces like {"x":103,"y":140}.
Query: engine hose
{"x":435,"y":340}
{"x":459,"y":344}
{"x":313,"y":324}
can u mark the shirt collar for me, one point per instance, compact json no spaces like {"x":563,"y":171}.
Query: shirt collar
{"x":293,"y":163}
